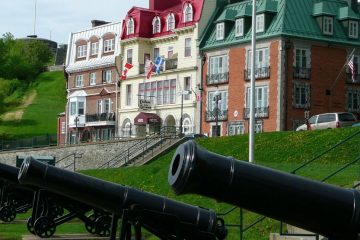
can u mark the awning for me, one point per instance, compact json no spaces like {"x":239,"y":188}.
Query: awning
{"x":146,"y":118}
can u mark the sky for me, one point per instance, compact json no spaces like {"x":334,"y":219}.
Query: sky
{"x":57,"y":18}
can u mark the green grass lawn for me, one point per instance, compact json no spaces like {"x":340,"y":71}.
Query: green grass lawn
{"x":40,"y":117}
{"x":279,"y":150}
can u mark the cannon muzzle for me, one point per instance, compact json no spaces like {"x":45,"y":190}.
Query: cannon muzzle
{"x":318,"y":207}
{"x":161,"y":216}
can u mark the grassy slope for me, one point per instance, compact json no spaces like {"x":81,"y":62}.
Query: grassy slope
{"x":281,"y":150}
{"x":40,"y":117}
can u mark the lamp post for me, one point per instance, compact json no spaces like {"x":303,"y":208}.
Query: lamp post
{"x":76,"y":120}
{"x":182,"y":109}
{"x":217,"y":100}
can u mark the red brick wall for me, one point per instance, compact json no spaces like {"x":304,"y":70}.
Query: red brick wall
{"x":61,"y":137}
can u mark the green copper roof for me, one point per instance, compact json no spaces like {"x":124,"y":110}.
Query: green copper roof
{"x":293,"y":18}
{"x":346,"y":13}
{"x":267,"y":6}
{"x":227,"y":15}
{"x":244,"y":11}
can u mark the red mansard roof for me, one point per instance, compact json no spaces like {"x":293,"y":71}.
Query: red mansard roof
{"x":143,"y":17}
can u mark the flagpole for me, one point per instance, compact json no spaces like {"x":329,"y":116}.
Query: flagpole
{"x":342,"y":69}
{"x":252,"y":88}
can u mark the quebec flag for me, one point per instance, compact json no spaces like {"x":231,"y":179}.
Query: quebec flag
{"x":159,"y":61}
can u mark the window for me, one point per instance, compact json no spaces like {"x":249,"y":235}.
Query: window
{"x":159,"y":93}
{"x":152,"y":93}
{"x":81,"y":107}
{"x":220,"y":31}
{"x":79,"y":80}
{"x":353,"y":29}
{"x":128,"y":95}
{"x":187,"y":87}
{"x":259,"y":126}
{"x":301,"y":97}
{"x":166,"y":92}
{"x":218,"y":65}
{"x":172,"y":91}
{"x":261,"y":63}
{"x":301,"y":58}
{"x":239,"y":27}
{"x":170,"y":51}
{"x":156,"y":25}
{"x":141,"y":92}
{"x":328,"y":25}
{"x":260,"y":23}
{"x":156,"y":53}
{"x":302,"y":63}
{"x":130,"y":26}
{"x":129,"y":56}
{"x":187,"y":47}
{"x":81,"y":51}
{"x":72,"y":108}
{"x":77,"y":107}
{"x":222,"y":104}
{"x":92,"y":78}
{"x":236,"y":128}
{"x":325,"y":118}
{"x":104,"y":106}
{"x":63,"y":127}
{"x":109,"y":45}
{"x":170,"y":22}
{"x":188,"y":13}
{"x":353,"y":100}
{"x":261,"y":102}
{"x":107,"y":76}
{"x":94,"y":48}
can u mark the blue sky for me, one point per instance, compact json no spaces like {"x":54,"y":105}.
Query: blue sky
{"x":60,"y":17}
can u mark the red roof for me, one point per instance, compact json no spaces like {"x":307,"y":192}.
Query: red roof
{"x":143,"y":17}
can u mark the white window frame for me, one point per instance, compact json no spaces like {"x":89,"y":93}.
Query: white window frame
{"x":170,"y":22}
{"x":101,"y":106}
{"x":128,"y":95}
{"x":109,"y":45}
{"x":261,"y":100}
{"x":63,"y":127}
{"x":81,"y":51}
{"x":107,"y":76}
{"x":94,"y":48}
{"x":353,"y":100}
{"x":218,"y":64}
{"x":262,"y":60}
{"x":188,"y":13}
{"x":239,"y":27}
{"x":328,"y":25}
{"x":92,"y":78}
{"x":301,"y":58}
{"x":301,"y":95}
{"x":130,"y":27}
{"x":79,"y":80}
{"x":74,"y":108}
{"x":353,"y":29}
{"x":239,"y":125}
{"x":223,"y":105}
{"x":220,"y":31}
{"x":260,"y":23}
{"x":156,"y":25}
{"x":188,"y":47}
{"x":129,"y":55}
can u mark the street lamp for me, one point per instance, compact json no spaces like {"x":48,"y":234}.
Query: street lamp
{"x":217,"y":100}
{"x":76,"y":120}
{"x":182,"y":108}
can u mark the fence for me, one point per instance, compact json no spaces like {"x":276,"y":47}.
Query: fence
{"x":34,"y":142}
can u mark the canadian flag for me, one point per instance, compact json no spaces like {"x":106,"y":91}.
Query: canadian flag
{"x":150,"y":70}
{"x":127,"y":67}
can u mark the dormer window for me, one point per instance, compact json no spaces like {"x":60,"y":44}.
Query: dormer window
{"x":353,"y":29}
{"x":188,"y":13}
{"x":260,"y":23}
{"x":220,"y":30}
{"x":170,"y":22}
{"x":328,"y":25}
{"x":130,"y":26}
{"x":156,"y":25}
{"x":239,"y":27}
{"x":81,"y":51}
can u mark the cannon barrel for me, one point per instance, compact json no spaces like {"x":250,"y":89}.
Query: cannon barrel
{"x":116,"y":198}
{"x":318,"y":207}
{"x":9,"y":173}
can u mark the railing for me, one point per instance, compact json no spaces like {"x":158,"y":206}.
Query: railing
{"x":34,"y":142}
{"x":220,"y":115}
{"x":101,"y":117}
{"x":350,"y":80}
{"x":302,"y":73}
{"x":260,"y":112}
{"x":260,"y":73}
{"x":72,"y":165}
{"x":218,"y":78}
{"x":171,"y":64}
{"x":139,"y":149}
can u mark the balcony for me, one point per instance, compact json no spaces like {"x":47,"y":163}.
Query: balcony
{"x":302,"y":73}
{"x":260,"y":73}
{"x":221,"y":116}
{"x":260,"y":112}
{"x":218,"y":78}
{"x":171,"y":64}
{"x":350,"y":80}
{"x":100,"y":119}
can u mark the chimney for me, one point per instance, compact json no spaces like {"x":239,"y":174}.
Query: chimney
{"x":354,"y":5}
{"x":96,"y":23}
{"x":161,"y":5}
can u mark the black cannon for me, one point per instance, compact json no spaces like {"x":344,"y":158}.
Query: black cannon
{"x":318,"y":207}
{"x":47,"y":207}
{"x":165,"y":218}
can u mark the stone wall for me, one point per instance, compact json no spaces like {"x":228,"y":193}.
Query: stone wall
{"x":86,"y":156}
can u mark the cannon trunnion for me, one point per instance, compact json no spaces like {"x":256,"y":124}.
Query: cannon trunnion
{"x":318,"y":207}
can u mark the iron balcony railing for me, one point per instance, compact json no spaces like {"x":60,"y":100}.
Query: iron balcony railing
{"x":101,"y":117}
{"x":171,"y":64}
{"x":260,"y":112}
{"x":260,"y":73}
{"x":350,"y":80}
{"x":302,"y":73}
{"x":217,"y":78}
{"x":221,"y":115}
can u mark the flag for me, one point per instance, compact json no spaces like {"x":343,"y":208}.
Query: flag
{"x":127,"y":67}
{"x":150,"y":70}
{"x":159,"y":61}
{"x":352,"y":68}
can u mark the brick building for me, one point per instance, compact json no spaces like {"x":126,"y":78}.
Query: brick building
{"x":302,"y":50}
{"x":91,"y":84}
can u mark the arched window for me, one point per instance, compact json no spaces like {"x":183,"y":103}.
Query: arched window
{"x":170,"y":22}
{"x":127,"y":128}
{"x":188,"y":13}
{"x":130,"y":26}
{"x":156,"y":25}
